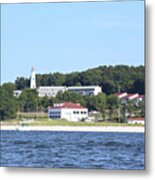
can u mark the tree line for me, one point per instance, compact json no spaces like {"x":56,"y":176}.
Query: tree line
{"x":112,"y":79}
{"x":109,"y":106}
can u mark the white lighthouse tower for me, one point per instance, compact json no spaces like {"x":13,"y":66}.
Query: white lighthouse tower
{"x":33,"y":79}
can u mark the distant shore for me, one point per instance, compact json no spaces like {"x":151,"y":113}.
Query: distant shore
{"x":134,"y":129}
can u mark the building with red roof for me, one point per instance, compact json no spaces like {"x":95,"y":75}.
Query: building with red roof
{"x":121,"y":95}
{"x":69,"y":111}
{"x":136,"y":121}
{"x":124,"y":97}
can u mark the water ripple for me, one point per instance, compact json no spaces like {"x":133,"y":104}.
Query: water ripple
{"x":73,"y":150}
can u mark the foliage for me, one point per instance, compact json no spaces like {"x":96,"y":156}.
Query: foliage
{"x":112,"y":105}
{"x":28,"y":100}
{"x":71,"y":97}
{"x":111,"y":78}
{"x":44,"y":102}
{"x":8,"y":104}
{"x":22,"y":82}
{"x":142,"y":108}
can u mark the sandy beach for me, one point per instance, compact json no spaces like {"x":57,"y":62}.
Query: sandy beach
{"x":135,"y":129}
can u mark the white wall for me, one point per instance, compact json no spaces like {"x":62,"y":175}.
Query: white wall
{"x":135,"y":122}
{"x":69,"y":114}
{"x":86,"y":90}
{"x":50,"y":91}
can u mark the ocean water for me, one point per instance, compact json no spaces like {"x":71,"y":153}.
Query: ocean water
{"x":97,"y":150}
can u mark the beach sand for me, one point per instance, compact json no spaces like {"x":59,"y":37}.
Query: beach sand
{"x":135,"y":129}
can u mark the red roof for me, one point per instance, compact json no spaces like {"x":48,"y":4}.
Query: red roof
{"x":67,"y":105}
{"x":128,"y":96}
{"x":136,"y":119}
{"x":141,"y":96}
{"x":120,"y":93}
{"x":134,"y":96}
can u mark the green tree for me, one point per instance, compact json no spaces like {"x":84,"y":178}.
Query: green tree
{"x":9,"y":88}
{"x":113,"y":105}
{"x":28,"y":100}
{"x":71,"y":97}
{"x":44,"y":102}
{"x":99,"y":103}
{"x":131,"y":107}
{"x":56,"y":79}
{"x":142,"y":108}
{"x":8,"y":104}
{"x":110,"y":78}
{"x":139,"y":85}
{"x":22,"y":82}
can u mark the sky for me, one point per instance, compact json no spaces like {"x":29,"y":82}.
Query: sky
{"x":68,"y":37}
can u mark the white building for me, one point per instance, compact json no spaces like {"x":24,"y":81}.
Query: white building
{"x":124,"y":97}
{"x":33,"y":79}
{"x":50,"y":91}
{"x":69,"y":111}
{"x":136,"y":121}
{"x":86,"y":90}
{"x":83,"y":90}
{"x":17,"y":93}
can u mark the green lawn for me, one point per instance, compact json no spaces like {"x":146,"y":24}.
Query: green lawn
{"x":47,"y":122}
{"x":41,"y":119}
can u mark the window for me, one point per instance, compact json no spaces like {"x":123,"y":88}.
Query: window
{"x":83,"y":112}
{"x":76,"y":112}
{"x":55,"y":116}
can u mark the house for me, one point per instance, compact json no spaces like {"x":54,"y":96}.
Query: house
{"x":136,"y":121}
{"x":86,"y":90}
{"x":131,"y":96}
{"x":69,"y":111}
{"x":124,"y":97}
{"x":120,"y":95}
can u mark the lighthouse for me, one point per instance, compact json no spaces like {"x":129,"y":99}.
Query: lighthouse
{"x":33,"y":79}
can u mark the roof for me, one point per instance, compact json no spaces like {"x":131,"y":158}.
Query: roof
{"x":136,"y":119}
{"x":141,"y":96}
{"x":67,"y":105}
{"x":52,"y":87}
{"x":120,"y":94}
{"x":83,"y":87}
{"x":132,"y":96}
{"x":128,"y":96}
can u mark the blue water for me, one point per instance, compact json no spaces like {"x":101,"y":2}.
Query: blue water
{"x":72,"y":150}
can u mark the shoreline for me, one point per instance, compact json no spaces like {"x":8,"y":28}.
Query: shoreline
{"x":128,"y":129}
